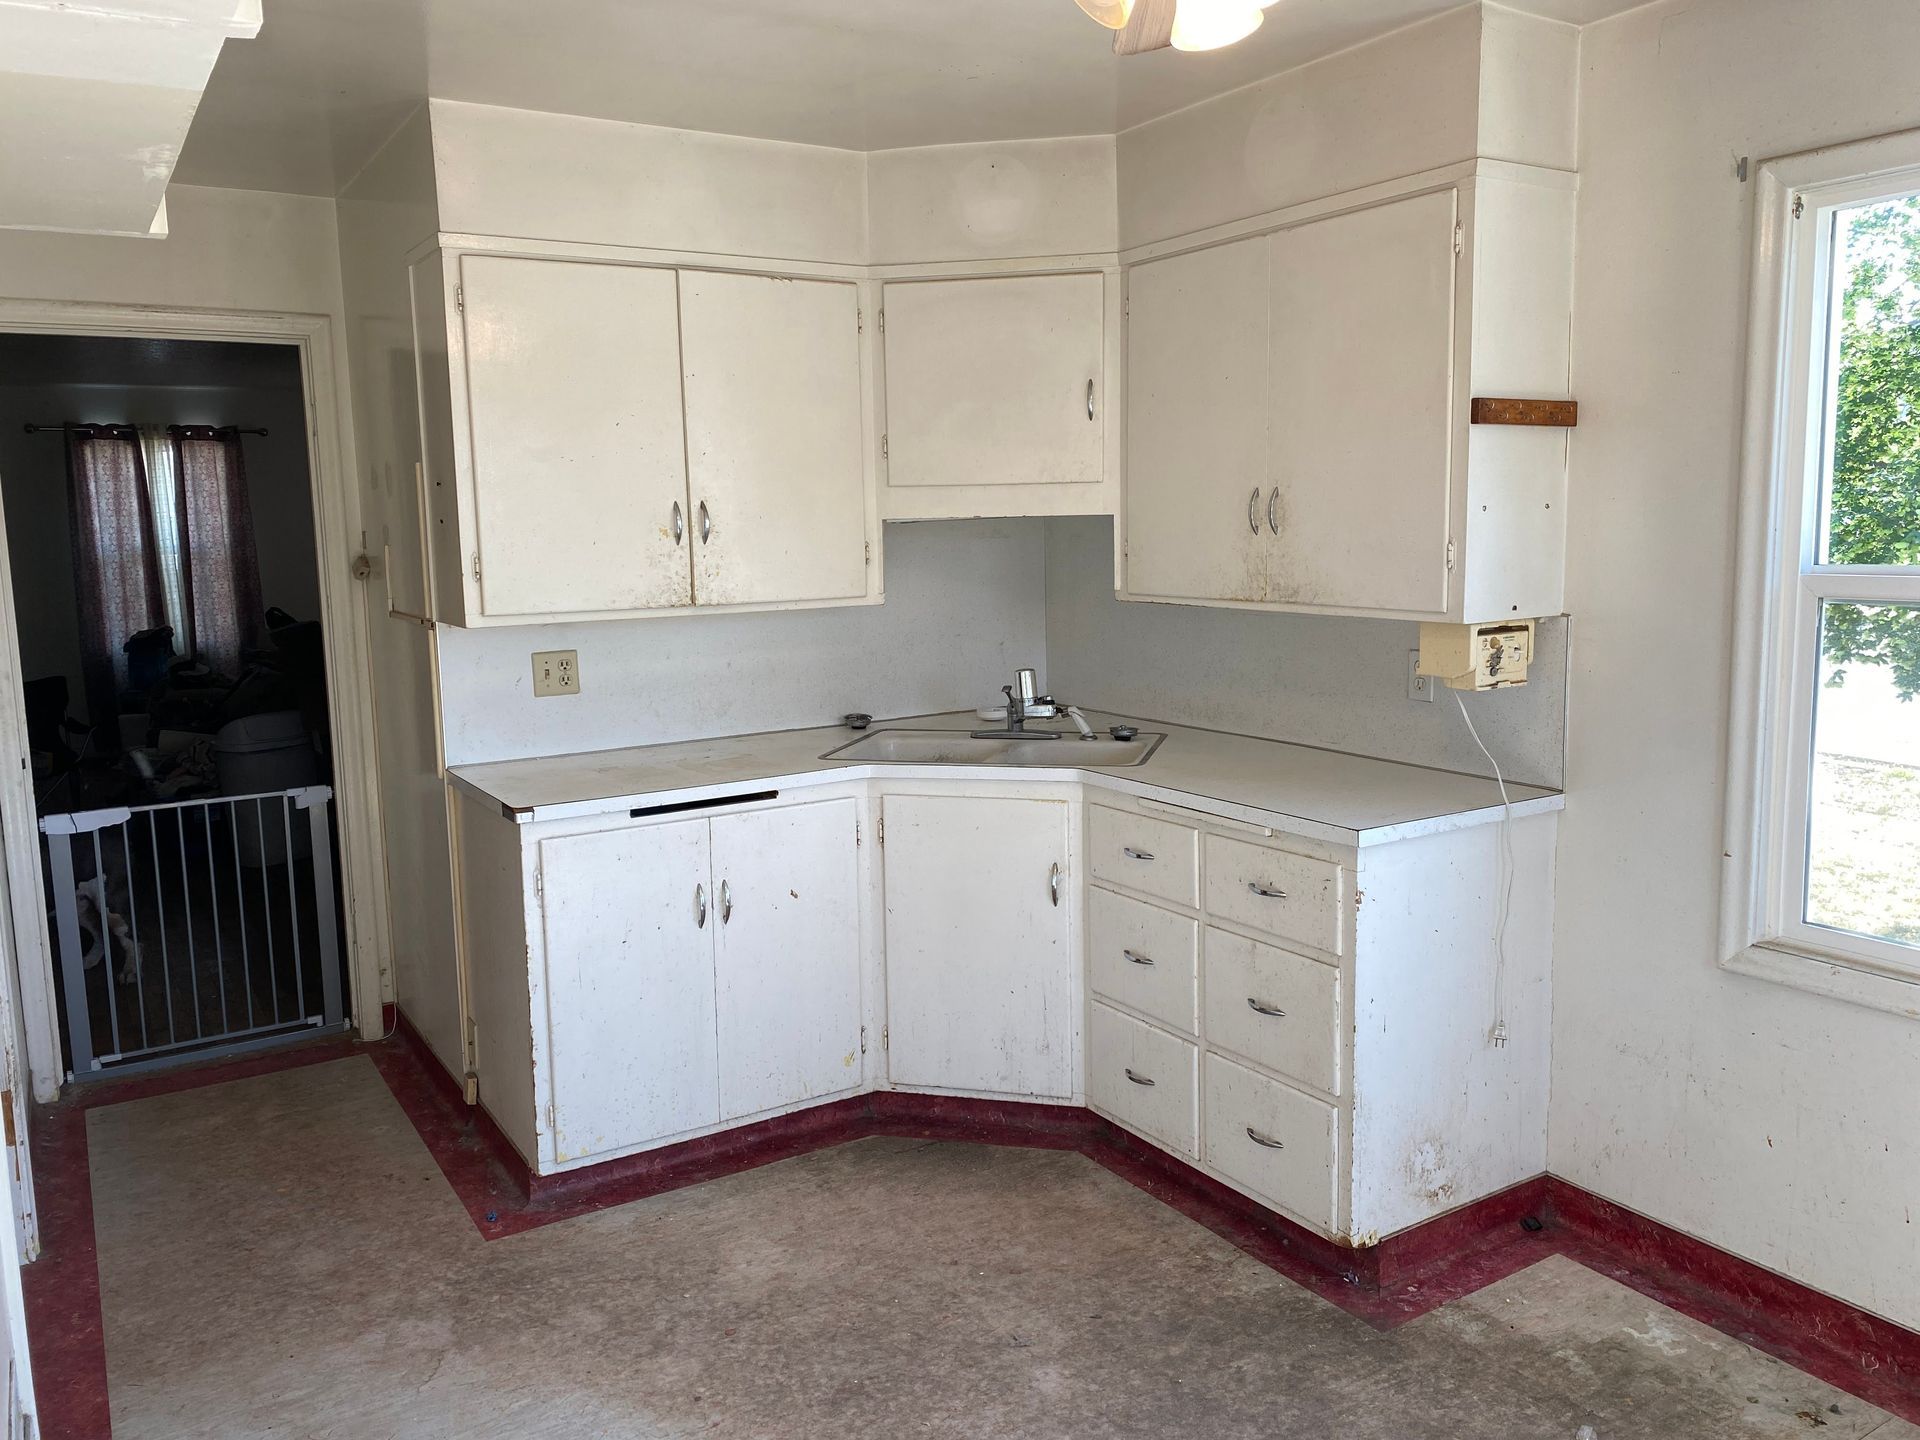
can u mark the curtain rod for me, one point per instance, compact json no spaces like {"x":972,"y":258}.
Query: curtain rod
{"x":78,"y":425}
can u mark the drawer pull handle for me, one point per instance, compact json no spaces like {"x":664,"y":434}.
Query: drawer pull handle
{"x":1267,"y":1140}
{"x":1053,"y":885}
{"x":1133,"y":854}
{"x":1266,"y":891}
{"x":1136,"y":1078}
{"x":1134,"y":957}
{"x":700,"y":907}
{"x":1259,"y":1009}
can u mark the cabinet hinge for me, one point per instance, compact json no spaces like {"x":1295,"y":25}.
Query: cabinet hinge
{"x":869,"y":551}
{"x":882,"y":312}
{"x":476,"y":565}
{"x":885,"y":1043}
{"x":880,"y":832}
{"x":863,"y":1039}
{"x":1449,"y":552}
{"x":460,"y":298}
{"x":1799,"y":206}
{"x":550,"y":1124}
{"x":1459,"y":239}
{"x":539,"y":884}
{"x":883,"y":445}
{"x":856,"y":834}
{"x":859,"y":321}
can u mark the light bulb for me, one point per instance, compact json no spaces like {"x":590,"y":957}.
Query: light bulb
{"x":1210,"y":24}
{"x":1113,"y":14}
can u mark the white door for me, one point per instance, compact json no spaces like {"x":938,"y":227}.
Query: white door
{"x":787,"y":955}
{"x":979,"y":946}
{"x":1362,"y":407}
{"x":630,"y":1000}
{"x":1196,"y":521}
{"x":578,"y":455}
{"x":775,"y":457}
{"x":996,"y":381}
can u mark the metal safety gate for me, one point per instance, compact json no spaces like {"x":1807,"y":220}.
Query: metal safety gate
{"x":196,"y":928}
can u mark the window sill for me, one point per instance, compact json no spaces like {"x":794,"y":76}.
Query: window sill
{"x":1848,"y":980}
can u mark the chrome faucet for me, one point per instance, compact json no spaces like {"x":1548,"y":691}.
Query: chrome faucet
{"x":1024,"y":703}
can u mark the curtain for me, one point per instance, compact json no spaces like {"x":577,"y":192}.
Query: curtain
{"x":110,"y":512}
{"x":221,"y":575}
{"x":163,"y":484}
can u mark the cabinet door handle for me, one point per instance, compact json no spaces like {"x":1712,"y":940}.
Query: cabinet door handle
{"x":1089,"y":399}
{"x":1273,"y":500}
{"x":1266,"y":891}
{"x":1266,"y":1140}
{"x":1138,"y":1079}
{"x":1053,"y":884}
{"x":700,"y":907}
{"x":1253,"y":510}
{"x":679,"y":523}
{"x":1259,"y":1009}
{"x":1133,"y":854}
{"x":1134,"y":957}
{"x":706,"y":524}
{"x":726,"y":901}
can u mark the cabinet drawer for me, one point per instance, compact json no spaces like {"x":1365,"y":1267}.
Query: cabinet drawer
{"x":1293,"y":896}
{"x":1155,"y":856}
{"x":1144,"y":957}
{"x":1247,"y":982}
{"x":1143,"y":1077}
{"x":1291,"y":1162}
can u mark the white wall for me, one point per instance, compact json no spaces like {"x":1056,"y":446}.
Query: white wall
{"x":1315,"y":679}
{"x":1778,"y":1125}
{"x":964,"y":610}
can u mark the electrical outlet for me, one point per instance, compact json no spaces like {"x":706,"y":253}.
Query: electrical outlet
{"x":556,"y":672}
{"x":1419,"y":687}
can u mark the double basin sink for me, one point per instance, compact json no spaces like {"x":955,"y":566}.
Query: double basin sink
{"x":956,"y":747}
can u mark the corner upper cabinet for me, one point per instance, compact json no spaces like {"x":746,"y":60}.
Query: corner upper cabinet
{"x":624,"y":440}
{"x":1299,"y":404}
{"x":998,"y":396}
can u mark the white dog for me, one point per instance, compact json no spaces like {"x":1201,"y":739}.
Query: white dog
{"x":101,"y":917}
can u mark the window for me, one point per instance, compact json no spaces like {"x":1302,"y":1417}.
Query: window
{"x":1823,"y":844}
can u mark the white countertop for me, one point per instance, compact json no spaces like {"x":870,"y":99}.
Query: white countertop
{"x":1323,"y":794}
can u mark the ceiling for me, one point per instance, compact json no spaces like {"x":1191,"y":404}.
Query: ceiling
{"x":303,"y":106}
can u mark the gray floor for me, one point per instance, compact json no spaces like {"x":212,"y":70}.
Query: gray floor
{"x":280,"y":1257}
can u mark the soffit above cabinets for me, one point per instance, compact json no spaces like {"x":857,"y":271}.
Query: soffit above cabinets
{"x":303,"y":107}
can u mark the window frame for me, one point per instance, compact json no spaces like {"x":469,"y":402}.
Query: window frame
{"x":1792,"y":363}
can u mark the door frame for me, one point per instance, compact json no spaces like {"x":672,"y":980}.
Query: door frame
{"x":339,"y":542}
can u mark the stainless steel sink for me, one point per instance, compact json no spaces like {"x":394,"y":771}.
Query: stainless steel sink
{"x":956,"y":747}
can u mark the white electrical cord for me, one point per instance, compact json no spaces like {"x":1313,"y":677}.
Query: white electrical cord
{"x":1499,"y":1032}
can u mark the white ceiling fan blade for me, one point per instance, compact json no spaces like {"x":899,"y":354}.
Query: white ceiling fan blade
{"x":1113,"y":14}
{"x":1149,"y":28}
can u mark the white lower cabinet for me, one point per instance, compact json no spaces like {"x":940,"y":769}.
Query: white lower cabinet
{"x":979,"y":939}
{"x":1272,"y":1140}
{"x":630,"y":997}
{"x":1143,"y":1076}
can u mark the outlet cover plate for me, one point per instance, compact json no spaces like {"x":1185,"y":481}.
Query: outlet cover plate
{"x":1419,"y":687}
{"x":556,"y":672}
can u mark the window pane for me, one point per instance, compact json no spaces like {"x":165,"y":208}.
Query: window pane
{"x":1871,"y":505}
{"x":1864,"y":819}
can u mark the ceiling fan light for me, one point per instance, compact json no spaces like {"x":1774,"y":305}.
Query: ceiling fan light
{"x":1211,"y":24}
{"x":1113,"y":14}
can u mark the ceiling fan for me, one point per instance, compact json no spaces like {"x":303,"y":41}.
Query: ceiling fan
{"x":1142,"y":25}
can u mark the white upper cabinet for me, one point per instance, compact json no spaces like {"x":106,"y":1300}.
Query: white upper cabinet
{"x":623,"y":440}
{"x":576,"y":455}
{"x":776,"y":467}
{"x":1299,"y":406}
{"x":1197,"y":341}
{"x":996,"y":396}
{"x":1360,"y":367}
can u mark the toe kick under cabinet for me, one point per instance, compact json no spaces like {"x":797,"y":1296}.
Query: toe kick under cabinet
{"x":1313,"y":1023}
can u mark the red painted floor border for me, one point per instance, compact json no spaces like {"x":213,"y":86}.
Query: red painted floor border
{"x":1386,"y":1285}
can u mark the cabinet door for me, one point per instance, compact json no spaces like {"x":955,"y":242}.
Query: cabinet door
{"x":775,"y":460}
{"x":979,"y":961}
{"x":787,"y":955}
{"x":578,"y":456}
{"x":988,"y":381}
{"x":630,"y":997}
{"x":1197,"y":425}
{"x":1362,"y":407}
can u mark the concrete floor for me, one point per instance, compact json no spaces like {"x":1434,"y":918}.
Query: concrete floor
{"x":279,"y":1256}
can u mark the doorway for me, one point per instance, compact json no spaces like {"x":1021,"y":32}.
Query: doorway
{"x":189,"y":690}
